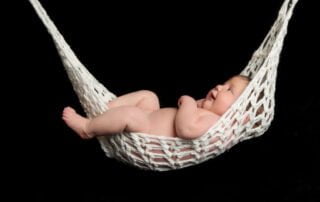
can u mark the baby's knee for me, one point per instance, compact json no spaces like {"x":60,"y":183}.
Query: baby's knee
{"x":150,"y":101}
{"x":149,"y":94}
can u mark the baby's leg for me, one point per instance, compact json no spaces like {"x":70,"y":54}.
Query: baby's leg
{"x":115,"y":120}
{"x":144,"y":99}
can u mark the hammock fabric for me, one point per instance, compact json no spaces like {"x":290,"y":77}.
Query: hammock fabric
{"x":250,"y":115}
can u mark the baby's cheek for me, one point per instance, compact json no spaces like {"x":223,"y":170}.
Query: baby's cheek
{"x":228,"y":101}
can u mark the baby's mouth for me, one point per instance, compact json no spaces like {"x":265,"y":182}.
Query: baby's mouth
{"x":213,"y":96}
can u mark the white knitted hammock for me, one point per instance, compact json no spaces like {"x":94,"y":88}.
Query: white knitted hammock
{"x":249,"y":116}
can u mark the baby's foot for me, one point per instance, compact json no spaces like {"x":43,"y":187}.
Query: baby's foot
{"x":76,"y":122}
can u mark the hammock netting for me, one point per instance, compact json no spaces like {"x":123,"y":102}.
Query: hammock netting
{"x":249,"y":116}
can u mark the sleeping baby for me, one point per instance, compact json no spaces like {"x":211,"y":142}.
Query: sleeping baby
{"x":140,"y":112}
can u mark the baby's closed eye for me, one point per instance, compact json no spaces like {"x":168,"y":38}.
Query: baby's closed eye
{"x":231,"y":89}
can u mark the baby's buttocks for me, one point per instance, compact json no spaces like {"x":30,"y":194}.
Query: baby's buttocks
{"x":162,"y":122}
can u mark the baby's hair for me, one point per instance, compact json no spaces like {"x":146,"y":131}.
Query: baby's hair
{"x":244,"y":77}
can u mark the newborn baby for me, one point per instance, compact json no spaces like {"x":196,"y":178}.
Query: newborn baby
{"x":140,"y":112}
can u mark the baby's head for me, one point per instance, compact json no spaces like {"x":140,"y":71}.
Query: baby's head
{"x":221,"y":97}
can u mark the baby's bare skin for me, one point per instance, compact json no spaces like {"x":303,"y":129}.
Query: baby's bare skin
{"x":140,"y":112}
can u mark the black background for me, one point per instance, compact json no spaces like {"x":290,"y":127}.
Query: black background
{"x":171,"y":49}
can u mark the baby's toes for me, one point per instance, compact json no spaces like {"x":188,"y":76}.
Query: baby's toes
{"x":67,"y":112}
{"x":69,"y":109}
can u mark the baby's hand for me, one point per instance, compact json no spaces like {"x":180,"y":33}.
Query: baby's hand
{"x":184,"y":99}
{"x":200,"y":103}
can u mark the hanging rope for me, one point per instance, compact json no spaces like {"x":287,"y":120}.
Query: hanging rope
{"x":153,"y":152}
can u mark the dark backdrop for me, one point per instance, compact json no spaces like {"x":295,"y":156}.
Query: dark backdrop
{"x":172,"y":49}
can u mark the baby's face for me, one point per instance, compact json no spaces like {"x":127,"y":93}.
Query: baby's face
{"x":220,"y":98}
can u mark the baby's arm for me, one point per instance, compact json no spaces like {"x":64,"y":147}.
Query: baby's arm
{"x":190,"y":122}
